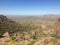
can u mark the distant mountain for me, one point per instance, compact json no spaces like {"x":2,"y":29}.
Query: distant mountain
{"x":50,"y":17}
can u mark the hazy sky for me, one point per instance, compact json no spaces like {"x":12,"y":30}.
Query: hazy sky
{"x":29,"y":7}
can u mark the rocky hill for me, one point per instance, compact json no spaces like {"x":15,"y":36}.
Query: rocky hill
{"x":7,"y":25}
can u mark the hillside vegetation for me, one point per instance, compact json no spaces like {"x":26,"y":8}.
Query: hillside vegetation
{"x":31,"y":30}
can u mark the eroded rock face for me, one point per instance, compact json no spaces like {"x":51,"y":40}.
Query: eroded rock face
{"x":43,"y":25}
{"x":5,"y":38}
{"x":57,"y":27}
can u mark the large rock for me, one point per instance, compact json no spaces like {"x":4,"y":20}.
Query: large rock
{"x":57,"y":28}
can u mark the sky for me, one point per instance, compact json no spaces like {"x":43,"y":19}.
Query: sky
{"x":29,"y":7}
